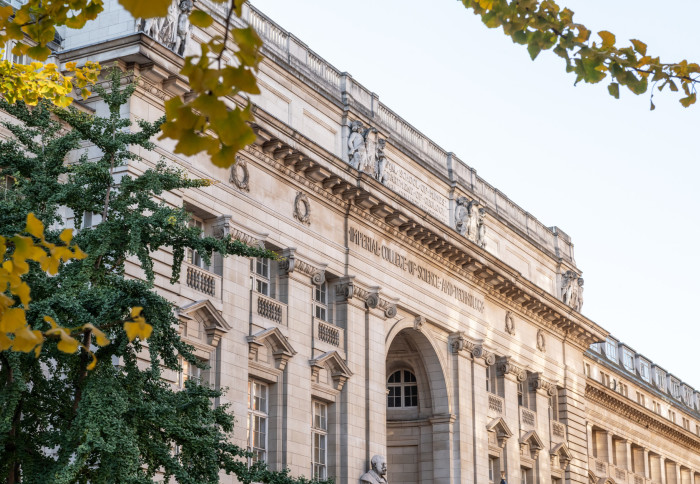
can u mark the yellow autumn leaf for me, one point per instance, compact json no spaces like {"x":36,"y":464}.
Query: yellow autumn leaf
{"x":12,"y":319}
{"x":148,"y":9}
{"x":5,"y":342}
{"x":91,"y":365}
{"x":26,"y":339}
{"x":608,"y":38}
{"x":135,"y":330}
{"x":201,"y":19}
{"x":100,"y":337}
{"x":34,"y":226}
{"x":66,"y":236}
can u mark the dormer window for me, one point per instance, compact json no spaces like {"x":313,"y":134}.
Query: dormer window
{"x":611,"y":350}
{"x":628,"y":360}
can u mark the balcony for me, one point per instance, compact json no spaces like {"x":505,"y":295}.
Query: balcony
{"x":328,"y":337}
{"x":602,"y":469}
{"x":201,"y":281}
{"x":265,"y":309}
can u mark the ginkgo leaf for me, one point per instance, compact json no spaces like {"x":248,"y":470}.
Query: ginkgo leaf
{"x":687,"y":101}
{"x":12,"y":319}
{"x":146,"y":9}
{"x":66,"y":235}
{"x":201,"y":19}
{"x":135,"y":330}
{"x":639,"y":46}
{"x":26,"y":339}
{"x":100,"y":337}
{"x":608,"y":39}
{"x":93,"y":363}
{"x":34,"y":226}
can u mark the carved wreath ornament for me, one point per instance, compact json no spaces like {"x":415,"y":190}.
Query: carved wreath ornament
{"x":240,"y":176}
{"x":302,"y":208}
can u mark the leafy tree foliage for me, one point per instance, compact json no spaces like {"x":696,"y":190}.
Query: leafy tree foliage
{"x":544,"y":25}
{"x":120,"y":422}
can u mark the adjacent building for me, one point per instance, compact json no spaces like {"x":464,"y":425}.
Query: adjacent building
{"x":417,"y":312}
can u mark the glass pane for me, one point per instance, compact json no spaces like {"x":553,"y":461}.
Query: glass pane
{"x":409,"y":377}
{"x":395,"y":377}
{"x":394,"y":397}
{"x":410,"y":396}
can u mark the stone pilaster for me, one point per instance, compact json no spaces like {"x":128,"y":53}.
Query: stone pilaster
{"x":510,"y":375}
{"x":543,"y":389}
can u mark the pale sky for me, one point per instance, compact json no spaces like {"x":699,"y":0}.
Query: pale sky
{"x":619,"y":179}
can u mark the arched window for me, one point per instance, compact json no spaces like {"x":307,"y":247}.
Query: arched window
{"x":403,"y":390}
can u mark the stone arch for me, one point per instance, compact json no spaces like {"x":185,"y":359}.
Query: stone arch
{"x":432,"y":371}
{"x":413,"y":433}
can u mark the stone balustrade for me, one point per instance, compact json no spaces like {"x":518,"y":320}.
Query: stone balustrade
{"x":268,"y":309}
{"x":496,"y":406}
{"x":202,"y":281}
{"x":528,"y":419}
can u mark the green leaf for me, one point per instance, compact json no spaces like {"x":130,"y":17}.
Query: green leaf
{"x":614,"y":90}
{"x":534,"y":50}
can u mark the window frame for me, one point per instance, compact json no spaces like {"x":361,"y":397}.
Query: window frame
{"x":262,"y":415}
{"x":320,"y":298}
{"x":402,"y":386}
{"x":319,"y":433}
{"x":261,"y":280}
{"x":628,"y":360}
{"x":611,"y":350}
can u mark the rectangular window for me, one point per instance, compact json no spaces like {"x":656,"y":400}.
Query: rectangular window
{"x":189,"y":372}
{"x":492,"y":469}
{"x":675,"y":388}
{"x":321,"y":301}
{"x":192,"y":257}
{"x":686,"y":423}
{"x":628,"y":360}
{"x":319,"y":438}
{"x":521,"y":395}
{"x":672,"y":415}
{"x":554,"y":407}
{"x":261,"y":279}
{"x":641,"y":399}
{"x":587,"y":369}
{"x":525,"y":476}
{"x":257,"y":421}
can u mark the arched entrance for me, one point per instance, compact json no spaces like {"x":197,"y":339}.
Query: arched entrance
{"x":418,"y":416}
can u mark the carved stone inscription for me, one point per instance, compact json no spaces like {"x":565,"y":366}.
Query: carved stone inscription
{"x":422,"y":273}
{"x":417,"y":192}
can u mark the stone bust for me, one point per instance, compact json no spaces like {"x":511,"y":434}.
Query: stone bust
{"x":376,"y":475}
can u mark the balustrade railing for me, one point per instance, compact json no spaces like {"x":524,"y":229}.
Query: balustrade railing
{"x":201,"y":280}
{"x":495,"y":404}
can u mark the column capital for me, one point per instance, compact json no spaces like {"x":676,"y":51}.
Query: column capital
{"x":461,"y":344}
{"x":508,"y":368}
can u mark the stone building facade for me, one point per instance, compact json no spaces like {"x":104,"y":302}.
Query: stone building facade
{"x":417,"y":312}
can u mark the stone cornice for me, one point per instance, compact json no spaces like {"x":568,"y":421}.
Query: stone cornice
{"x":364,"y":197}
{"x":597,"y":393}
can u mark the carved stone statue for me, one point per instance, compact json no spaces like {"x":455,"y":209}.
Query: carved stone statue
{"x":461,"y":215}
{"x":572,"y":290}
{"x":173,"y":30}
{"x":469,"y":220}
{"x":366,"y":151}
{"x":377,"y":474}
{"x":381,"y":161}
{"x":357,"y":151}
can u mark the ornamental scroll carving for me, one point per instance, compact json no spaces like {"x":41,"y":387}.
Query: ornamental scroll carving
{"x":346,"y":289}
{"x":505,"y":366}
{"x":538,"y":382}
{"x":292,"y":263}
{"x":240,"y":176}
{"x":174,"y":30}
{"x":366,"y":151}
{"x":460,"y":343}
{"x":572,"y":290}
{"x":469,"y":220}
{"x":223,"y":226}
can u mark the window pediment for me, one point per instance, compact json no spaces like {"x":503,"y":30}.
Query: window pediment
{"x":215,"y":326}
{"x":277,"y":343}
{"x":336,"y":366}
{"x":500,"y":428}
